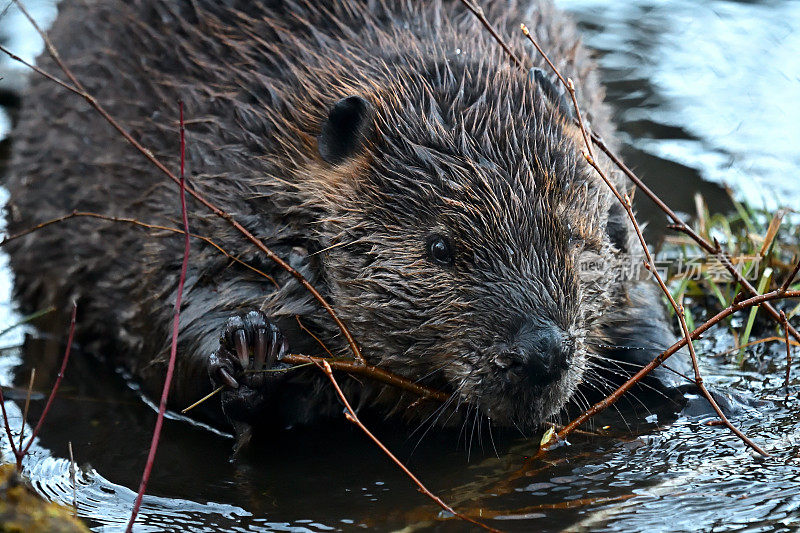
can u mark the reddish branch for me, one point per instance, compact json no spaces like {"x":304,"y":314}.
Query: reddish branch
{"x":19,"y":453}
{"x":175,"y":328}
{"x":350,"y":414}
{"x":679,"y":310}
{"x":134,"y":222}
{"x":655,"y":363}
{"x":372,"y":372}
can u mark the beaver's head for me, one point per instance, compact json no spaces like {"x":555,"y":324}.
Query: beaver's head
{"x":459,"y":209}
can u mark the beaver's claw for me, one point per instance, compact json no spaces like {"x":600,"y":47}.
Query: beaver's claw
{"x":247,"y":362}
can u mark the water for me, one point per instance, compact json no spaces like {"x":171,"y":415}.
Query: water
{"x":705,"y":95}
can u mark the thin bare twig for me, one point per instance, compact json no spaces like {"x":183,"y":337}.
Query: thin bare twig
{"x":788,"y":350}
{"x":790,"y":278}
{"x":350,"y":414}
{"x":72,"y":471}
{"x":27,"y":405}
{"x":650,"y":265}
{"x":477,"y":10}
{"x":663,"y":356}
{"x":568,"y":85}
{"x":162,"y":408}
{"x":755,"y":343}
{"x":344,"y":365}
{"x":679,"y":310}
{"x":134,"y":222}
{"x":203,"y":399}
{"x":372,"y":372}
{"x":7,"y":426}
{"x":680,"y":224}
{"x":20,"y":452}
{"x":59,"y":377}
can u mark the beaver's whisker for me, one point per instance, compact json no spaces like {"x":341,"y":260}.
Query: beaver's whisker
{"x":472,"y":432}
{"x":435,"y":370}
{"x":436,"y":413}
{"x":491,"y":437}
{"x":602,"y":383}
{"x":621,"y":373}
{"x":337,"y":245}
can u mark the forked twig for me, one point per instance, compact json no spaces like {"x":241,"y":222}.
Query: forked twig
{"x":679,"y":310}
{"x":649,"y":263}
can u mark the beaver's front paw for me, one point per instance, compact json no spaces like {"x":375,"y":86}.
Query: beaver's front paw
{"x":248,"y":364}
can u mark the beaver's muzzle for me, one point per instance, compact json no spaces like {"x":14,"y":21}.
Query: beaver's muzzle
{"x":541,"y":352}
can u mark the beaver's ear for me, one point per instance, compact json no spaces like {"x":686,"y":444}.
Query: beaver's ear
{"x":345,"y":130}
{"x":556,"y":97}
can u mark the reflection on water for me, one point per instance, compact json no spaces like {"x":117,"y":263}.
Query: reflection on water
{"x":712,"y":86}
{"x":704,"y":93}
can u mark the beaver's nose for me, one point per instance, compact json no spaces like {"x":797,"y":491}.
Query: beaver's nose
{"x":546,"y":352}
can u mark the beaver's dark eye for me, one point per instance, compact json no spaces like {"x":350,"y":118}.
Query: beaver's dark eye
{"x":440,"y":250}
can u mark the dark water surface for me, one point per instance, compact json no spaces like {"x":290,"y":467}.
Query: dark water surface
{"x":705,"y":94}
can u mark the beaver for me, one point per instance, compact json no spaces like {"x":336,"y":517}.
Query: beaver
{"x":431,"y":190}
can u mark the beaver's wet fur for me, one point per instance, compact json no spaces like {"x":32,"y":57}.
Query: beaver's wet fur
{"x":431,"y":190}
